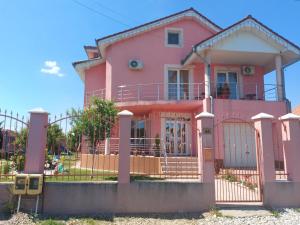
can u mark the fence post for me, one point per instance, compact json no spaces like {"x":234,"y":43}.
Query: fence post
{"x":107,"y":146}
{"x":264,"y":146}
{"x":205,"y":125}
{"x":36,"y":143}
{"x":124,"y":146}
{"x":291,"y":142}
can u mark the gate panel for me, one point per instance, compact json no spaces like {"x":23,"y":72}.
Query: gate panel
{"x":237,"y":177}
{"x":13,"y":143}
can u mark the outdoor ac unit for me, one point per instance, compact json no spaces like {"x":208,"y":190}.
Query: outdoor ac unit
{"x":248,"y":70}
{"x":135,"y":64}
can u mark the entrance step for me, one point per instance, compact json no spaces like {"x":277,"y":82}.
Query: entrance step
{"x":179,"y":166}
{"x":245,"y":211}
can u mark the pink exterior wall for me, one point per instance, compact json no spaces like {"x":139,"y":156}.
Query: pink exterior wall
{"x":95,"y":79}
{"x":150,"y":48}
{"x":244,"y":110}
{"x":248,"y":83}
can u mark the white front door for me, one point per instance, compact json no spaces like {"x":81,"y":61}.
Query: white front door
{"x":176,"y":136}
{"x":239,"y":145}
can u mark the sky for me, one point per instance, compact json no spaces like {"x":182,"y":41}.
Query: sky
{"x":39,"y":40}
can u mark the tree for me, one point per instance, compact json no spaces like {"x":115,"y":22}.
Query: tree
{"x":21,"y":139}
{"x":74,"y":138}
{"x":95,"y":122}
{"x":55,"y":137}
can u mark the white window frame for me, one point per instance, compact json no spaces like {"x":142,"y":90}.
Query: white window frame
{"x":174,"y":30}
{"x":178,"y":68}
{"x":226,"y":70}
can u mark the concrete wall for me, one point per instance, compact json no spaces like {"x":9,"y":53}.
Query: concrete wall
{"x":136,"y":197}
{"x":5,"y":195}
{"x":281,"y":194}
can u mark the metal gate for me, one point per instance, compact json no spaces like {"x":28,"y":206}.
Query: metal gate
{"x":237,"y":176}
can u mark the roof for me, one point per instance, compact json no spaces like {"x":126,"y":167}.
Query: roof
{"x":247,"y":21}
{"x":82,"y":65}
{"x":103,"y":42}
{"x":297,"y":110}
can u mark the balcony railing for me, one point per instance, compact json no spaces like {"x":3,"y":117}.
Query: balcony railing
{"x":100,"y":93}
{"x":189,"y":91}
{"x":160,"y":91}
{"x":248,"y":91}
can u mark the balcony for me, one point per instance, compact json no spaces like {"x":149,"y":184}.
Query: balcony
{"x":160,"y":92}
{"x":189,"y":92}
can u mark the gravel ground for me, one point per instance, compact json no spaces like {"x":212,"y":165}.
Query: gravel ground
{"x":280,"y":217}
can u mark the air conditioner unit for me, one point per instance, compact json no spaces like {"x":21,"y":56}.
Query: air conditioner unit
{"x":135,"y":64}
{"x":248,"y":70}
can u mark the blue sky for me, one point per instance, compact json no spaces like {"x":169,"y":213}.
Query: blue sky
{"x":39,"y":36}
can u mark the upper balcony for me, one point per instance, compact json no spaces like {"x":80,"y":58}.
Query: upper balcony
{"x":189,"y":92}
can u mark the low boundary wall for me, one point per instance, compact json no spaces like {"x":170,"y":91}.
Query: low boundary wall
{"x":136,"y":197}
{"x":281,"y":194}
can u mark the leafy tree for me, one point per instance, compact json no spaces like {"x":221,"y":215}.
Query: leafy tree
{"x":55,"y":137}
{"x":74,"y":138}
{"x":21,"y":139}
{"x":95,"y":122}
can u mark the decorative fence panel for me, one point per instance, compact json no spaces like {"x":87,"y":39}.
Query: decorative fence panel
{"x":13,"y":143}
{"x":75,"y":154}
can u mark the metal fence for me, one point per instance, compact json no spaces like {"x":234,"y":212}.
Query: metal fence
{"x":151,"y":160}
{"x":13,"y":143}
{"x":74,"y":154}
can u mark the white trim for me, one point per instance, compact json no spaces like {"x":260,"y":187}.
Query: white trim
{"x":180,"y":34}
{"x":251,"y":25}
{"x":103,"y":43}
{"x":84,"y":65}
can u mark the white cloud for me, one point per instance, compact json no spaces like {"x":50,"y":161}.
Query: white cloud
{"x":52,"y":68}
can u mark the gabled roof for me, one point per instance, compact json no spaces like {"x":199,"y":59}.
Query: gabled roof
{"x":82,"y":65}
{"x":251,"y":22}
{"x":103,"y":42}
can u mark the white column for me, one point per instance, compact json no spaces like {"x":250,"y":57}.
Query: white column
{"x":107,"y":146}
{"x":279,"y":78}
{"x":207,"y":75}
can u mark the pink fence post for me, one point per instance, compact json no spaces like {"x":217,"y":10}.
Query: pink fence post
{"x":36,"y":144}
{"x":205,"y":125}
{"x":264,"y":143}
{"x":124,"y":146}
{"x":291,"y":142}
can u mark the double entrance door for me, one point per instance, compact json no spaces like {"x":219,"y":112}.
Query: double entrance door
{"x":176,"y":136}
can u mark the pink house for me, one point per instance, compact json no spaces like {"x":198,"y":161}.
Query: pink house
{"x":169,"y":70}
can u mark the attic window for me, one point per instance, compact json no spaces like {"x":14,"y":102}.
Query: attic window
{"x":173,"y":37}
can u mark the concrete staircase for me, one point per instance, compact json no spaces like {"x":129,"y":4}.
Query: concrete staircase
{"x":180,"y":167}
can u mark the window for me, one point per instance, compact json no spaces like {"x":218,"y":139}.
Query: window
{"x":178,"y":85}
{"x":174,"y":37}
{"x":227,"y":85}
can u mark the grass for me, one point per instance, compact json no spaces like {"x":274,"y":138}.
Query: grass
{"x":51,"y":222}
{"x":214,"y":211}
{"x":297,"y":210}
{"x":275,"y":213}
{"x":77,"y":174}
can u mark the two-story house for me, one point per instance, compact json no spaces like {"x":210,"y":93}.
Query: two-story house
{"x":169,"y":70}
